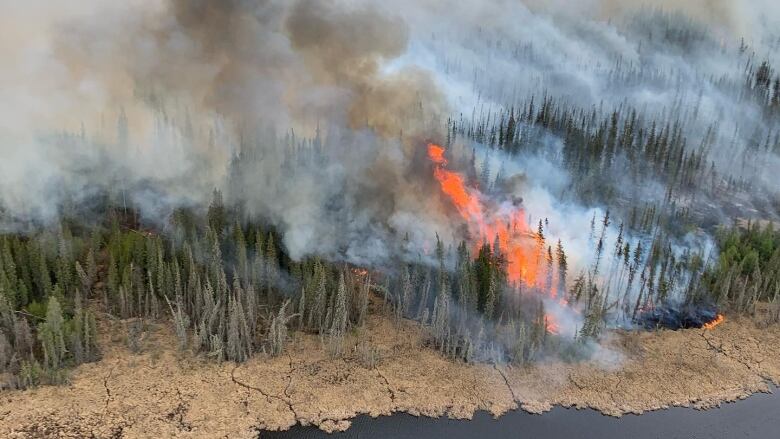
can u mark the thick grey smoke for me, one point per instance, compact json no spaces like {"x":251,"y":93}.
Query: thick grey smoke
{"x":153,"y":101}
{"x":691,"y":69}
{"x":158,"y":99}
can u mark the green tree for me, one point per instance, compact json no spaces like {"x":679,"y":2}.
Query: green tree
{"x":52,"y":336}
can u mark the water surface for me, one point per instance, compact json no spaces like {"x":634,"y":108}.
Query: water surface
{"x":755,"y":417}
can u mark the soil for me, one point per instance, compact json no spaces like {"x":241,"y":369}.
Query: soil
{"x":161,"y":392}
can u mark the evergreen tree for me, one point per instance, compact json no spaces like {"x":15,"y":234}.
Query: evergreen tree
{"x":563,"y":267}
{"x":52,"y":335}
{"x":271,"y":262}
{"x":217,"y":215}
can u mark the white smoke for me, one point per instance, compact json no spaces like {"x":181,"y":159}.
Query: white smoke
{"x":200,"y":82}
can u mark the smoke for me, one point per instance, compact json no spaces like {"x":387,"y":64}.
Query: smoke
{"x":753,"y":20}
{"x":153,"y":102}
{"x":156,"y":99}
{"x":288,"y":63}
{"x":695,"y":69}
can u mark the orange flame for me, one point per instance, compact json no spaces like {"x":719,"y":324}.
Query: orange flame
{"x":718,"y":320}
{"x":522,"y":248}
{"x":360,"y":272}
{"x":551,"y":325}
{"x":436,"y":154}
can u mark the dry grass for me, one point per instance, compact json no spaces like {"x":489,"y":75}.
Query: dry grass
{"x":160,"y":392}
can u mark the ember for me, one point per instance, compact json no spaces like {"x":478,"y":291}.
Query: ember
{"x":718,"y":320}
{"x":684,"y":317}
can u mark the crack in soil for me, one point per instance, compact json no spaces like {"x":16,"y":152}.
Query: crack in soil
{"x":289,"y":378}
{"x":506,"y":381}
{"x":268,"y":396}
{"x":719,"y":349}
{"x":576,"y":384}
{"x":389,"y":389}
{"x":105,"y":385}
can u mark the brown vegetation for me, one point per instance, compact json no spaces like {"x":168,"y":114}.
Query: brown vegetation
{"x":161,"y":392}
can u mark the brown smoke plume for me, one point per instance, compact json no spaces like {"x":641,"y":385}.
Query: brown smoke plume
{"x":317,"y":60}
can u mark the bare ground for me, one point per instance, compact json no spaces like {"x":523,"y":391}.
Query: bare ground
{"x":163,"y":393}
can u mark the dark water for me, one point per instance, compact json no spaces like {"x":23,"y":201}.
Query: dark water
{"x":755,"y":417}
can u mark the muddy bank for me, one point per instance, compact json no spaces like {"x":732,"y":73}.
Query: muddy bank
{"x":163,"y":393}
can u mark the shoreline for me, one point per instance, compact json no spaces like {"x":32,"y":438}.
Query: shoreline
{"x":162,"y":392}
{"x":756,"y":413}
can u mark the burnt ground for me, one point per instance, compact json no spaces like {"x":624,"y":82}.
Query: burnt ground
{"x":164,"y":393}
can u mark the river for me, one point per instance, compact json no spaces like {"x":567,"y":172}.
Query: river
{"x":755,"y":417}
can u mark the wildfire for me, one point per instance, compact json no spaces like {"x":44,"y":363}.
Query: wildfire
{"x":487,"y":222}
{"x":360,"y":272}
{"x":551,"y":325}
{"x":718,"y":320}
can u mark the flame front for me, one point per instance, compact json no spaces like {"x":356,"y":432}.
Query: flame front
{"x":488,"y":222}
{"x":718,"y":320}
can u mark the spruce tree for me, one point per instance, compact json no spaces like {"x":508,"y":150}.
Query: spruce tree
{"x":271,"y":267}
{"x":340,"y":314}
{"x":563,"y":267}
{"x":51,"y":333}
